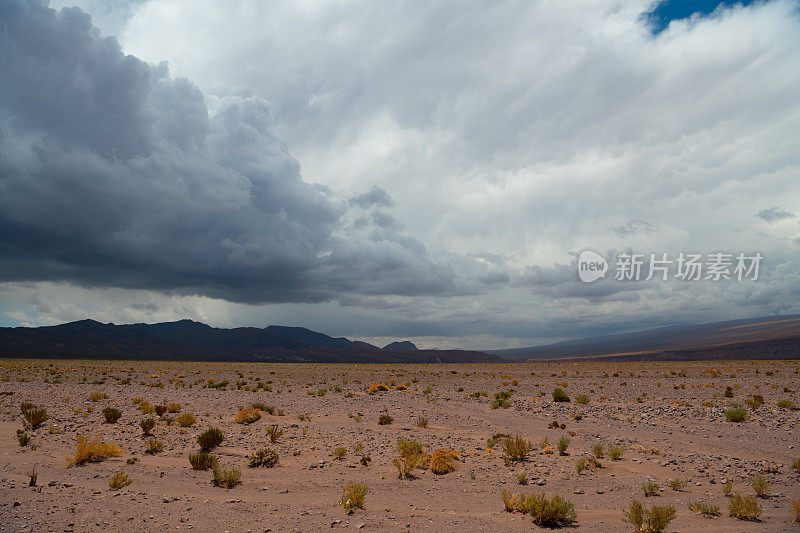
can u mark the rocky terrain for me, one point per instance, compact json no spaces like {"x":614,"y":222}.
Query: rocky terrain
{"x":669,"y":417}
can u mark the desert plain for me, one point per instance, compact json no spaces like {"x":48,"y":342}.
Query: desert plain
{"x":668,"y":419}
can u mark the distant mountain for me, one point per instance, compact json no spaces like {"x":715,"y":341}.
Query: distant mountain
{"x":401,"y":346}
{"x":776,"y":337}
{"x":189,"y":340}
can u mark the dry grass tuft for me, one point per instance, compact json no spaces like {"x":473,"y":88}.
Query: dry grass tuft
{"x":442,"y":461}
{"x":119,"y":480}
{"x":652,"y":520}
{"x":93,"y":451}
{"x":353,"y":496}
{"x":744,"y":507}
{"x":516,"y":448}
{"x":248,"y":415}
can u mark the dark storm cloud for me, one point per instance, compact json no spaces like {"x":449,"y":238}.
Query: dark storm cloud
{"x":114,"y":174}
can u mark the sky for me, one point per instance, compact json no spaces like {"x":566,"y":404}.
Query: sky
{"x":396,"y":170}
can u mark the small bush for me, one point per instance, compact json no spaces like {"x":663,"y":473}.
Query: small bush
{"x":796,"y":512}
{"x":119,"y":480}
{"x":796,"y":464}
{"x":422,"y":422}
{"x":702,"y":508}
{"x":677,"y":483}
{"x":559,"y":395}
{"x":266,"y":458}
{"x":652,"y":520}
{"x":174,"y":408}
{"x":98,"y":396}
{"x":274,"y":433}
{"x":616,"y":452}
{"x":385,"y":420}
{"x":210,"y":439}
{"x":353,"y":496}
{"x":727,"y":488}
{"x":35,"y":416}
{"x":146,"y":408}
{"x":93,"y":451}
{"x":736,"y":414}
{"x":147,"y":425}
{"x":728,"y":392}
{"x":516,"y":448}
{"x":412,"y":456}
{"x":582,"y":399}
{"x":787,"y":404}
{"x":111,"y":414}
{"x":522,"y":478}
{"x":161,"y":409}
{"x":340,"y":453}
{"x":545,"y":512}
{"x":563,"y":444}
{"x":744,"y":507}
{"x":226,"y":477}
{"x":755,"y":401}
{"x":153,"y":447}
{"x":650,"y":488}
{"x":248,"y":415}
{"x":202,"y":460}
{"x":23,"y":438}
{"x":599,"y":451}
{"x":442,"y":461}
{"x":186,"y":420}
{"x":760,"y":485}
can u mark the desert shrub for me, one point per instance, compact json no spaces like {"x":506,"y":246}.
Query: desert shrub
{"x":174,"y":408}
{"x":422,"y":422}
{"x":736,"y":414}
{"x":563,"y":444}
{"x":677,"y":483}
{"x":516,"y":448}
{"x":599,"y":451}
{"x":727,"y":488}
{"x":274,"y":433}
{"x":266,"y":457}
{"x":522,"y":478}
{"x":378,"y":387}
{"x":210,"y":439}
{"x":161,"y":409}
{"x":358,"y":448}
{"x":147,"y":425}
{"x":93,"y":451}
{"x":26,"y":406}
{"x":728,"y":392}
{"x":580,"y":465}
{"x":248,"y":415}
{"x":23,"y":438}
{"x":796,"y":464}
{"x":650,"y":488}
{"x":186,"y":420}
{"x":545,"y":512}
{"x":385,"y":419}
{"x":340,"y":453}
{"x":226,"y":477}
{"x":412,"y":456}
{"x":153,"y":446}
{"x":365,"y":460}
{"x":703,"y":508}
{"x":582,"y":399}
{"x":652,"y":520}
{"x":98,"y":396}
{"x":796,"y":512}
{"x":353,"y":496}
{"x":787,"y":404}
{"x":559,"y":395}
{"x":137,"y":400}
{"x":202,"y":460}
{"x":499,"y":403}
{"x":442,"y":461}
{"x":111,"y":415}
{"x":615,"y":452}
{"x":760,"y":485}
{"x":146,"y":408}
{"x":35,"y":416}
{"x":119,"y":480}
{"x":744,"y":507}
{"x":755,"y":401}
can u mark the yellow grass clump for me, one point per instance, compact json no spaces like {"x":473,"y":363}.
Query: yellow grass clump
{"x":93,"y":451}
{"x":248,"y":415}
{"x":442,"y":461}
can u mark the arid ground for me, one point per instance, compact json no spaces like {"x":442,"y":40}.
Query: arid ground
{"x":668,"y":417}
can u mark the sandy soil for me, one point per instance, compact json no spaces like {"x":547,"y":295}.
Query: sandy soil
{"x":653,"y":410}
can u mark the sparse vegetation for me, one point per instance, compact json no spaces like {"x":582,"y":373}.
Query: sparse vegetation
{"x":582,"y":399}
{"x":340,"y":453}
{"x":559,"y":395}
{"x":93,"y":451}
{"x":678,"y":483}
{"x":210,"y":439}
{"x":147,"y":425}
{"x":443,"y":461}
{"x":23,"y":438}
{"x":35,"y":416}
{"x":760,"y":485}
{"x":412,"y":456}
{"x":736,"y":414}
{"x":563,"y":444}
{"x":153,"y":447}
{"x":119,"y":480}
{"x":727,"y":488}
{"x":274,"y":433}
{"x":545,"y":512}
{"x":226,"y":477}
{"x":652,"y":520}
{"x":744,"y":507}
{"x":202,"y":460}
{"x":599,"y":451}
{"x":248,"y":416}
{"x":266,"y":458}
{"x":385,"y":419}
{"x":616,"y":452}
{"x":353,"y":497}
{"x":421,"y":422}
{"x":650,"y":488}
{"x":704,"y":508}
{"x":186,"y":420}
{"x":796,"y":512}
{"x":516,"y":448}
{"x":111,"y":415}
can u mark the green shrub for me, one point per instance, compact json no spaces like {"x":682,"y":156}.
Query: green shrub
{"x":340,"y":453}
{"x":35,"y":416}
{"x":563,"y":444}
{"x":702,"y":508}
{"x":23,"y":438}
{"x":265,"y":457}
{"x":677,"y":483}
{"x":275,"y":433}
{"x":652,"y":520}
{"x":147,"y":425}
{"x":615,"y":452}
{"x":760,"y":485}
{"x":111,"y":414}
{"x":119,"y":480}
{"x":560,"y":396}
{"x":599,"y":451}
{"x":153,"y":447}
{"x":186,"y":420}
{"x":353,"y":496}
{"x":226,"y":477}
{"x":744,"y":507}
{"x":202,"y":460}
{"x":787,"y":404}
{"x":736,"y":414}
{"x":582,"y":399}
{"x":516,"y":448}
{"x":650,"y":488}
{"x":545,"y":512}
{"x":210,"y":439}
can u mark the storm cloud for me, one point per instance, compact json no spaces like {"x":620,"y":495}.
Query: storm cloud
{"x":113,"y":173}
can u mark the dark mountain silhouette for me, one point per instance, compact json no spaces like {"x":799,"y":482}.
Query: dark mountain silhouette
{"x":776,"y":337}
{"x":189,"y":340}
{"x":401,"y":346}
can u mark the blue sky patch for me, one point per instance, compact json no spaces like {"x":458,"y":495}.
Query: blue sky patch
{"x":668,"y":10}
